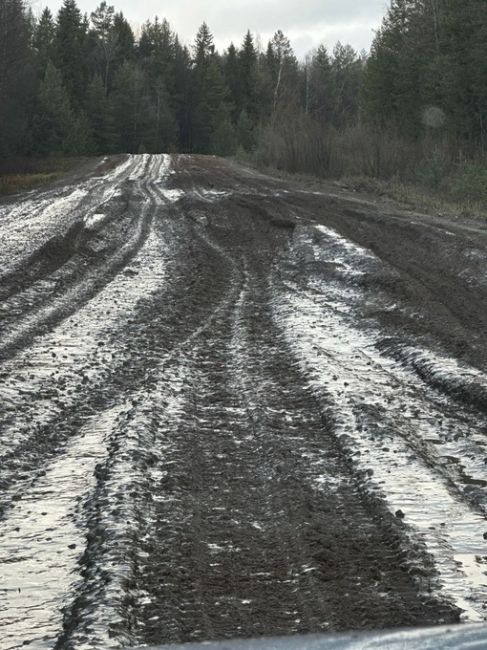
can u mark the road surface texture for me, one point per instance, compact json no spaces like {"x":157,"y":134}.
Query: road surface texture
{"x":234,"y":407}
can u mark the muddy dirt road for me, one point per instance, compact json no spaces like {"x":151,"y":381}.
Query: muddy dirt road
{"x":233,"y":407}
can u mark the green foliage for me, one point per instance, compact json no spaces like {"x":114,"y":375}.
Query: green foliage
{"x":43,"y":40}
{"x":100,"y":116}
{"x":78,"y":141}
{"x":70,"y":51}
{"x":210,"y":105}
{"x":468,"y":181}
{"x":130,"y":107}
{"x":76,"y":85}
{"x":17,"y":75}
{"x":432,"y":171}
{"x":55,"y":119}
{"x":248,"y":76}
{"x":430,"y":54}
{"x":223,"y":139}
{"x":246,"y":132}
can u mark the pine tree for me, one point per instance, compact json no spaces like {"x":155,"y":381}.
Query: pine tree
{"x":233,"y":81}
{"x":55,"y":119}
{"x":70,"y":50}
{"x":223,"y":140}
{"x":183,"y":93}
{"x":17,"y":75}
{"x":106,"y":39}
{"x":125,"y":38}
{"x":247,"y":60}
{"x":392,"y":80}
{"x":346,"y":75}
{"x":100,"y":115}
{"x":209,"y":101}
{"x":246,"y":132}
{"x":43,"y":40}
{"x":131,"y":108}
{"x":204,"y":46}
{"x":320,"y":86}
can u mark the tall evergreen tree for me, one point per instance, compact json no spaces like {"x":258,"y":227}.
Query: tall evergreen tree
{"x":17,"y":78}
{"x":100,"y":115}
{"x":131,"y":108}
{"x":55,"y":120}
{"x":70,"y":50}
{"x":103,"y":19}
{"x":209,"y":104}
{"x":346,"y":73}
{"x":320,"y":86}
{"x":233,"y":81}
{"x":183,"y":93}
{"x":247,"y":71}
{"x":125,"y":39}
{"x":44,"y":40}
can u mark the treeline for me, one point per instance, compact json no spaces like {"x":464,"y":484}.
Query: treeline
{"x":422,"y":108}
{"x":428,"y":69}
{"x":77,"y":84}
{"x":415,"y":108}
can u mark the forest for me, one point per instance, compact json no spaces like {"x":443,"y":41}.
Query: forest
{"x":414,"y":107}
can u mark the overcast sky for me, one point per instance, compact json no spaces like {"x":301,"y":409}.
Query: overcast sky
{"x":306,"y":22}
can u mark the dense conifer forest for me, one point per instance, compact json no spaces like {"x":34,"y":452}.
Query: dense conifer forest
{"x":74,"y":84}
{"x":80,"y":84}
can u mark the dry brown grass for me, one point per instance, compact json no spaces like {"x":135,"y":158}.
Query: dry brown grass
{"x":14,"y":183}
{"x":24,"y":174}
{"x":418,"y":197}
{"x":434,"y":174}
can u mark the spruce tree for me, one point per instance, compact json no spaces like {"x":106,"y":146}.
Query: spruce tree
{"x":106,"y":40}
{"x":246,"y":132}
{"x":320,"y":86}
{"x":247,"y":71}
{"x":183,"y":93}
{"x":131,"y":107}
{"x":233,"y":81}
{"x":125,"y":39}
{"x":209,"y":103}
{"x":43,"y":40}
{"x":70,"y":50}
{"x":100,"y":115}
{"x":55,"y":119}
{"x":17,"y":75}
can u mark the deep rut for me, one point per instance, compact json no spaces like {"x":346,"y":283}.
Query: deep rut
{"x":200,"y":417}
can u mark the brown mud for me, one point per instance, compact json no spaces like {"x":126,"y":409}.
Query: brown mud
{"x":253,"y":387}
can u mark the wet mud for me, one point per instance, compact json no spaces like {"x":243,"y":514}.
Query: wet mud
{"x":233,"y":407}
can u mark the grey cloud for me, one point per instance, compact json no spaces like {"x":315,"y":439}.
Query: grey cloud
{"x":307,"y":22}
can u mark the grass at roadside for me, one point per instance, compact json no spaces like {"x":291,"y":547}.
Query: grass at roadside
{"x":413,"y":196}
{"x":25,"y":174}
{"x":435,"y":173}
{"x":419,"y":198}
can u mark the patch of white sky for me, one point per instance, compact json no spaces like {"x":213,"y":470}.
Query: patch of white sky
{"x":308,"y":23}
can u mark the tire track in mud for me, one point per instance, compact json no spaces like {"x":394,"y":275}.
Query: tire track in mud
{"x":228,"y":492}
{"x":99,"y":367}
{"x":178,"y":460}
{"x":439,"y":265}
{"x":28,"y":458}
{"x":107,"y":603}
{"x":28,"y":226}
{"x":86,"y":272}
{"x":386,"y":419}
{"x":146,"y":329}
